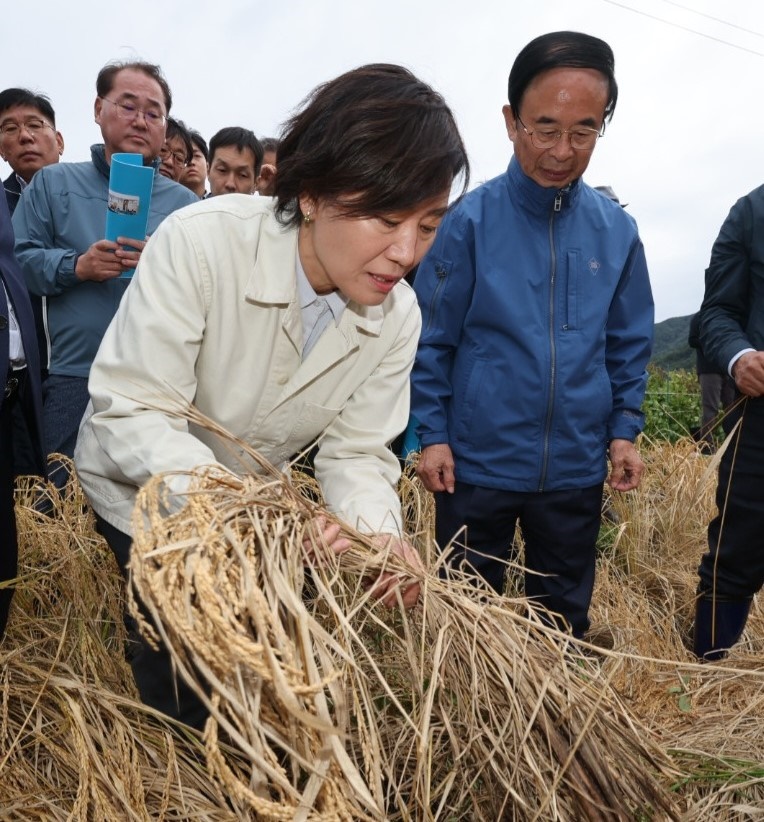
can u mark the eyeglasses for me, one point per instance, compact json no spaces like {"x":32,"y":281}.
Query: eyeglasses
{"x":129,"y":111}
{"x":581,"y":137}
{"x":34,"y":126}
{"x":178,"y":158}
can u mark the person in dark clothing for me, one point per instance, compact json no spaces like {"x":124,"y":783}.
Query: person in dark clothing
{"x":21,"y":389}
{"x":732,"y":338}
{"x":28,"y":142}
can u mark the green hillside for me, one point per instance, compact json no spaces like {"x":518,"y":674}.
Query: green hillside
{"x":670,"y":348}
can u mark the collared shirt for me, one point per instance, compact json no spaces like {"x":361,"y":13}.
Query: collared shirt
{"x":317,"y":310}
{"x":16,"y":355}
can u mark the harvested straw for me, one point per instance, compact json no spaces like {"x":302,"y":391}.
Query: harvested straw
{"x":75,"y":744}
{"x":466,"y":708}
{"x":418,"y":700}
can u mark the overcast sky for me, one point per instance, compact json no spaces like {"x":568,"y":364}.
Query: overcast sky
{"x":686,"y":142}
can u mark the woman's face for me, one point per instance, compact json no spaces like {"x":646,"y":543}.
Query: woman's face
{"x":364,"y":258}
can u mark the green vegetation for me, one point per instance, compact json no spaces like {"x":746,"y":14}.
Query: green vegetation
{"x":672,"y":404}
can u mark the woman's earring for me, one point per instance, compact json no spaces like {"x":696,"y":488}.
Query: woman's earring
{"x":307,"y":218}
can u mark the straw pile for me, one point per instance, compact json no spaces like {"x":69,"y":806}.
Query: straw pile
{"x":74,"y":742}
{"x":329,"y":706}
{"x":465,"y":709}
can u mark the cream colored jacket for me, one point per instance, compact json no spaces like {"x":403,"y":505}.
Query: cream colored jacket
{"x":212,"y":318}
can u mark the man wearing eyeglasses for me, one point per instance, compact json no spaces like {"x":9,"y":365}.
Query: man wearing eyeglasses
{"x":60,"y":225}
{"x":176,"y":150}
{"x":537,"y":328}
{"x":28,"y":142}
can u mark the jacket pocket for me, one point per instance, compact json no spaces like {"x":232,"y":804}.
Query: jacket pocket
{"x":441,"y":269}
{"x":472,"y":404}
{"x":312,"y":421}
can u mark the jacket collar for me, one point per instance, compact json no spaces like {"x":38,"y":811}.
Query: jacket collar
{"x":536,"y":198}
{"x":268,"y":285}
{"x":98,"y":156}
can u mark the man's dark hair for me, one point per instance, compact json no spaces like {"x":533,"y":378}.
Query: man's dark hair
{"x":373,"y":140}
{"x":199,"y":142}
{"x":105,"y":79}
{"x":12,"y":97}
{"x":177,"y":128}
{"x":269,"y":144}
{"x":562,"y":49}
{"x":241,"y":138}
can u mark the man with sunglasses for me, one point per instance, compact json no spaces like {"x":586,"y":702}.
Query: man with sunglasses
{"x":60,"y":225}
{"x":537,"y":327}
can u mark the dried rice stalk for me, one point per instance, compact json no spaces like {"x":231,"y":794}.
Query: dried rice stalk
{"x":466,"y":708}
{"x":75,"y":744}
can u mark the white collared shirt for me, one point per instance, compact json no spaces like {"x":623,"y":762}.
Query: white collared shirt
{"x":16,"y":355}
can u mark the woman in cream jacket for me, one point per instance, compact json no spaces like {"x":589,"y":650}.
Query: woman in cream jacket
{"x":283,"y":320}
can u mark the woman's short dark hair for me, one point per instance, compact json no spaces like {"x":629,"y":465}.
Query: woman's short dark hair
{"x":376,"y":133}
{"x":562,"y":49}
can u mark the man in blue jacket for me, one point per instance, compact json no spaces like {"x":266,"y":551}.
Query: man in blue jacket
{"x":20,"y":389}
{"x":60,"y":227}
{"x":537,"y":328}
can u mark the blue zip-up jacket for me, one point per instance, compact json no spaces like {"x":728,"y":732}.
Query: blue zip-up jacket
{"x":61,"y":213}
{"x":537,"y":328}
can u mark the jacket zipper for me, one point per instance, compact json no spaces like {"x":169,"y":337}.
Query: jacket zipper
{"x":440,"y":273}
{"x":552,"y":349}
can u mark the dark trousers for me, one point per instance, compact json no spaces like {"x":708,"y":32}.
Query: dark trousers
{"x":9,"y":549}
{"x":733,"y":567}
{"x":717,"y":393}
{"x":64,"y":402}
{"x":154,"y":677}
{"x":559,"y":529}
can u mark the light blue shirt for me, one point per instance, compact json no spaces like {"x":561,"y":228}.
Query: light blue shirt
{"x":317,"y":310}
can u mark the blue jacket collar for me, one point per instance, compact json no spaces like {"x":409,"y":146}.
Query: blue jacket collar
{"x":536,"y":198}
{"x":98,"y":156}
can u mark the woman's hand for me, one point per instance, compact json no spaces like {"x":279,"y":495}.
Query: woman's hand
{"x":386,"y":586}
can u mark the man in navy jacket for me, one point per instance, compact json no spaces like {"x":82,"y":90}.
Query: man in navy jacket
{"x":20,"y":387}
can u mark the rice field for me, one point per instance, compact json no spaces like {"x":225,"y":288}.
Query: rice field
{"x":326,"y":705}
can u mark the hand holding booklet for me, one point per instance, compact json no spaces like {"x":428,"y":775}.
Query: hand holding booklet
{"x":127,"y":213}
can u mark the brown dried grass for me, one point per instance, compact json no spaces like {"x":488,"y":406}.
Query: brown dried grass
{"x":466,"y":708}
{"x":332,"y":707}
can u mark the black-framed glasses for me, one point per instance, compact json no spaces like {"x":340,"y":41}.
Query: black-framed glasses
{"x":129,"y":111}
{"x":33,"y":126}
{"x":178,"y":157}
{"x":582,"y":138}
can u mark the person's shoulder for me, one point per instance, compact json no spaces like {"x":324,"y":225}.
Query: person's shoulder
{"x":173,"y":192}
{"x":61,"y":179}
{"x":230,"y":208}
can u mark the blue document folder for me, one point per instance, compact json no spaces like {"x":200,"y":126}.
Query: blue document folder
{"x":127,"y":211}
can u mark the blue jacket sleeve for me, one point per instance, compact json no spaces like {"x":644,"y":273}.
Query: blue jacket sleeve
{"x":48,"y":269}
{"x":629,"y":345}
{"x":444,"y":284}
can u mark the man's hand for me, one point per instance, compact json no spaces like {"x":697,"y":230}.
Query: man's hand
{"x":386,"y":586}
{"x":748,"y":372}
{"x":436,"y":468}
{"x":626,"y":466}
{"x":105,"y":260}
